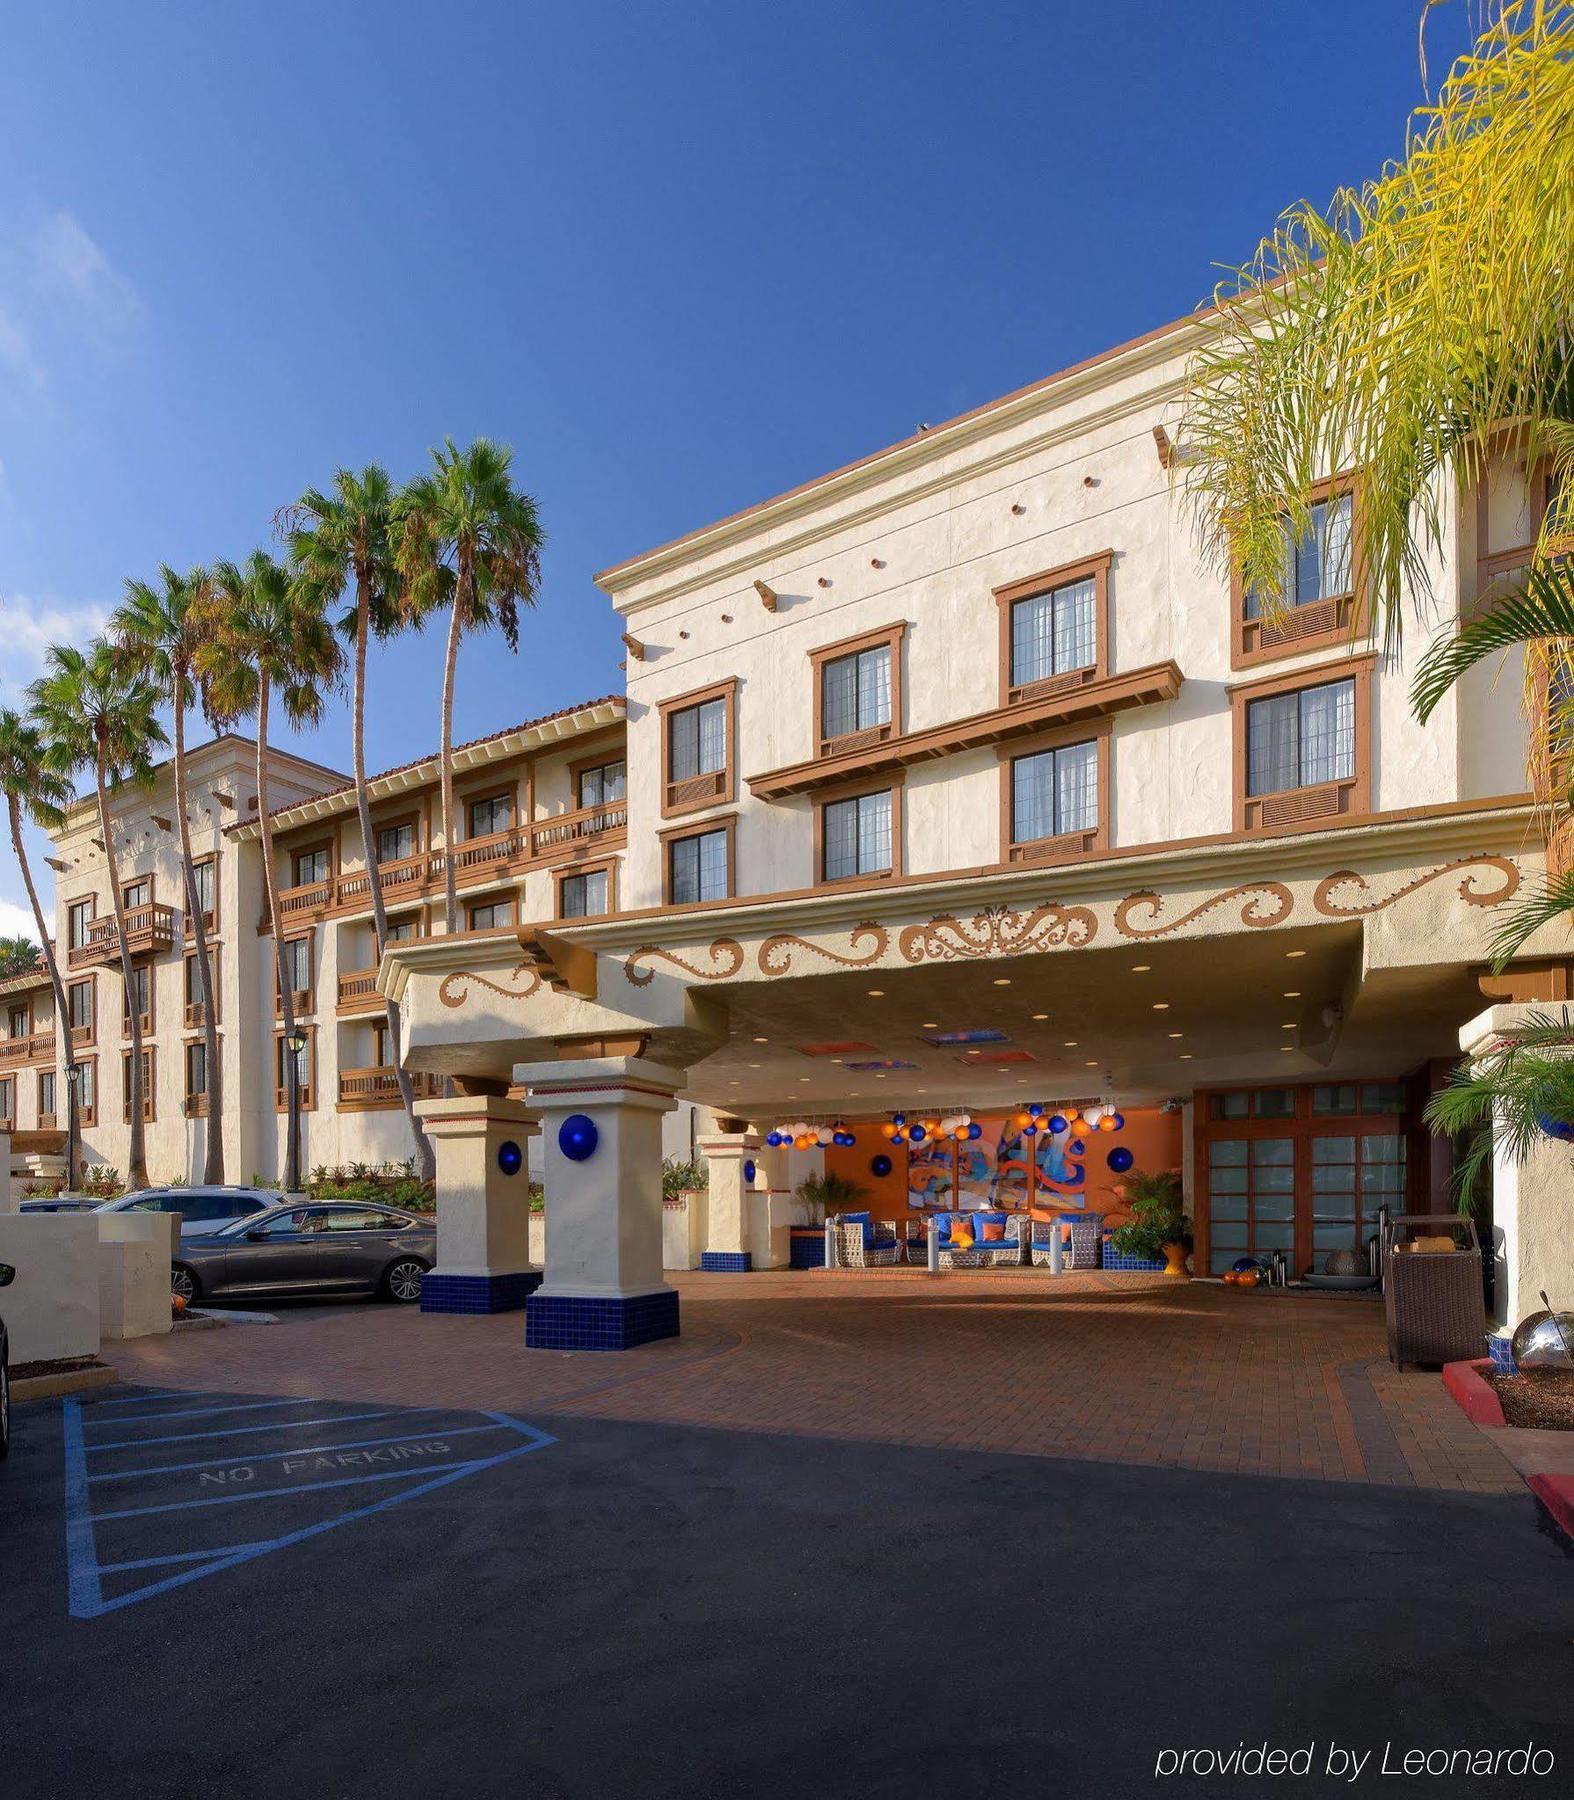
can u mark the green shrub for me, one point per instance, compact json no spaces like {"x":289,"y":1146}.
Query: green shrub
{"x":830,"y":1193}
{"x":679,"y":1177}
{"x":1158,"y":1208}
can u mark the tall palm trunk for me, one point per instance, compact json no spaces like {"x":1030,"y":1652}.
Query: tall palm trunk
{"x":446,"y":755}
{"x":292,"y":1074}
{"x":423,"y":1147}
{"x":213,"y":1161}
{"x":136,"y":1158}
{"x":62,"y":1021}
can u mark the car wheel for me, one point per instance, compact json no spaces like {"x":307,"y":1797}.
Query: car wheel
{"x":5,"y":1407}
{"x":183,"y":1284}
{"x":402,"y":1280}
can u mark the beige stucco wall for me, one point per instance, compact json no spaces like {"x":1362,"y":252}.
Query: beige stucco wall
{"x":51,"y":1309}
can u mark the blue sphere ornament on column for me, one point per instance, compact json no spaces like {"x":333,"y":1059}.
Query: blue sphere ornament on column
{"x":880,"y":1166}
{"x":577,"y":1137}
{"x":748,"y":1171}
{"x":1120,"y":1159}
{"x":1561,"y":1129}
{"x":510,"y":1158}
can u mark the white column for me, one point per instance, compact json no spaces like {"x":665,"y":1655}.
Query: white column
{"x":1531,"y":1214}
{"x":727,"y":1156}
{"x":770,"y":1209}
{"x":483,"y":1204}
{"x":604,"y":1288}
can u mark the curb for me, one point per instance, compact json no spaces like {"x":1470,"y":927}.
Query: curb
{"x":1480,"y":1404}
{"x":1556,"y":1494}
{"x":75,"y":1381}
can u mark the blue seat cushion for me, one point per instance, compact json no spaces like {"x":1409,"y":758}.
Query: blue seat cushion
{"x":861,"y":1218}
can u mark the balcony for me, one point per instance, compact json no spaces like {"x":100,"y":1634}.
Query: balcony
{"x":149,"y":929}
{"x":36,"y":1050}
{"x":358,"y":993}
{"x":371,"y":1090}
{"x":476,"y":861}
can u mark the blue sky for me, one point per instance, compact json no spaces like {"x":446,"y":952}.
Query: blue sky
{"x":680,"y":258}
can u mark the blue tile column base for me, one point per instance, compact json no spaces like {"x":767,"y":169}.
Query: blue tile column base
{"x":574,"y":1322}
{"x":478,"y":1293}
{"x":727,"y":1262}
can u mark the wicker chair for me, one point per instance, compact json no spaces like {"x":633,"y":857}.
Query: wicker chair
{"x":1086,"y":1249}
{"x":1011,"y":1249}
{"x":882,"y":1252}
{"x":1432,"y":1296}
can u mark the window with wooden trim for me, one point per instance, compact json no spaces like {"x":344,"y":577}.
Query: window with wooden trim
{"x":7,"y":1103}
{"x":84,"y":1078}
{"x":79,"y":918}
{"x":396,"y":840}
{"x":46,"y":1100}
{"x":1054,"y":631}
{"x":858,"y":690}
{"x":80,"y":1010}
{"x":140,"y":992}
{"x":196,"y":1078}
{"x":138,"y":892}
{"x":1303,"y":746}
{"x":486,"y":915}
{"x":602,"y":784}
{"x":858,"y":836}
{"x":296,"y":955}
{"x":490,"y":813}
{"x":191,"y":987}
{"x":1055,"y":794}
{"x":313,"y":865}
{"x":698,"y":733}
{"x":402,"y":930}
{"x":148,"y":1091}
{"x":19,"y":1019}
{"x":203,"y":880}
{"x":584,"y":894}
{"x":305,"y":1064}
{"x":1318,"y":603}
{"x":699,"y":865}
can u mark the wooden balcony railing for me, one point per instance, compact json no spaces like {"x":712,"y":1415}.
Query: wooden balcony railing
{"x":26,"y":1052}
{"x":476,"y":860}
{"x":365,"y":1090}
{"x":149,"y":929}
{"x":358,"y":992}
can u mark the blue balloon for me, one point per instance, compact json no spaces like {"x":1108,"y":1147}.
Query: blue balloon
{"x":898,"y":1118}
{"x":880,"y":1165}
{"x":1030,"y":1131}
{"x":1120,"y":1120}
{"x":1035,"y":1107}
{"x":773,"y":1138}
{"x":975,"y":1130}
{"x":577,"y":1137}
{"x":918,"y":1134}
{"x":1058,"y":1123}
{"x":510,"y":1158}
{"x":1120,"y":1159}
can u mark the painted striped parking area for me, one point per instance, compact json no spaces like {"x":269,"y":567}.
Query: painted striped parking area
{"x":164,"y":1488}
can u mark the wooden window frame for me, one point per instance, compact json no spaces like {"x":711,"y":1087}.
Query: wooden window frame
{"x":1071,"y":846}
{"x":725,"y":822}
{"x":508,"y":899}
{"x":281,"y":1097}
{"x":195,"y":1106}
{"x":1304,"y":808}
{"x":191,"y":1010}
{"x":46,"y":1114}
{"x":8,"y":1107}
{"x":1491,"y":566}
{"x":91,"y":984}
{"x":305,"y":998}
{"x":674,"y":802}
{"x":149,"y":1086}
{"x":149,"y":970}
{"x":210,"y":920}
{"x":88,"y":1115}
{"x":583,"y":767}
{"x":1336,"y":620}
{"x":136,"y":881}
{"x":392,"y":823}
{"x":475,"y":797}
{"x":25,"y":1007}
{"x":297,"y":851}
{"x":90,"y":901}
{"x":601,"y":865}
{"x":894,"y":785}
{"x":893,"y":637}
{"x":1030,"y":588}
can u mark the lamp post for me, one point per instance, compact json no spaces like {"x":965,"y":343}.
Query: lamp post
{"x":295,"y":1043}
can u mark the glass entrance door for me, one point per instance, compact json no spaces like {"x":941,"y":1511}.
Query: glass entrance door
{"x":1251,"y":1198}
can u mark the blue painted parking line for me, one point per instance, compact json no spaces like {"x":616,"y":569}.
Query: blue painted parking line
{"x":114,"y":1535}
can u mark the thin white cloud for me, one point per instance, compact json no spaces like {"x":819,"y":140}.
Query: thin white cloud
{"x":17,"y":921}
{"x":16,"y":353}
{"x":28,"y":627}
{"x":62,"y":293}
{"x":68,"y":265}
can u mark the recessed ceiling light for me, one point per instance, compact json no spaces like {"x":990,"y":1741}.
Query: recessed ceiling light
{"x":876,"y":993}
{"x":762,"y":1040}
{"x":879,"y":1078}
{"x":1161,"y":1006}
{"x":1185,"y":1056}
{"x":1071,"y":1043}
{"x":930,"y":1025}
{"x":1287,"y":1046}
{"x":1002,"y":981}
{"x":1288,"y":1025}
{"x":1093,"y":1062}
{"x":802,"y":1079}
{"x":1176,"y":1034}
{"x":1041,"y":1015}
{"x":1292,"y":993}
{"x":756,"y":1065}
{"x":1140,"y":968}
{"x":1292,"y":954}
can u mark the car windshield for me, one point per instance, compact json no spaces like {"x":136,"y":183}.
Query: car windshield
{"x":277,"y":1218}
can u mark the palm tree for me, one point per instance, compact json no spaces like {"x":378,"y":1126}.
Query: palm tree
{"x":33,"y":789}
{"x":269,"y":637}
{"x":465,"y":534}
{"x":159,"y":631}
{"x":1397,"y":331}
{"x":339,"y":541}
{"x":18,"y":954}
{"x":94,"y":711}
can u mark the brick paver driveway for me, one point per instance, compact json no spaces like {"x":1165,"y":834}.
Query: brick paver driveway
{"x":1113,"y":1368}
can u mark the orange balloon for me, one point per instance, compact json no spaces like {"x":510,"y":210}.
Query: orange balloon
{"x":1107,"y":1123}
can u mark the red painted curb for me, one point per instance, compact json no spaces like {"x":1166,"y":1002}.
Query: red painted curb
{"x":1475,"y":1396}
{"x":1556,"y":1493}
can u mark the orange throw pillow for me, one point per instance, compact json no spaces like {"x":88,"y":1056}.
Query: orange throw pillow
{"x":961,"y":1238}
{"x":994,"y":1231}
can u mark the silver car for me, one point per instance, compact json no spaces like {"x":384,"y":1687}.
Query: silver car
{"x":202,"y":1209}
{"x":320,"y":1248}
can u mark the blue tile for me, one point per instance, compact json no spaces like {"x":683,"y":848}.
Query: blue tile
{"x":478,"y":1293}
{"x":573,"y":1322}
{"x":732,"y":1262}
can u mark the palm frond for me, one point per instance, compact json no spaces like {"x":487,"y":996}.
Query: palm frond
{"x":1542,"y":611}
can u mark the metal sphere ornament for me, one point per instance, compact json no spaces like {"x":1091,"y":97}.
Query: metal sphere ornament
{"x":1545,"y":1340}
{"x":749,"y":1171}
{"x":1120,"y":1159}
{"x":880,"y":1166}
{"x":1561,"y":1129}
{"x":577,"y":1137}
{"x":510,"y":1158}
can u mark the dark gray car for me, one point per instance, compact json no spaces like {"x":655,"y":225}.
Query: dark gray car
{"x":320,"y":1248}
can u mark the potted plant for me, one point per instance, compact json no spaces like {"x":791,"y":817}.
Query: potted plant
{"x":1158,"y":1226}
{"x":824,"y":1194}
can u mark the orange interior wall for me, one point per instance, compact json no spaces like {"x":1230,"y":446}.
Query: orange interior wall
{"x":1152,"y":1137}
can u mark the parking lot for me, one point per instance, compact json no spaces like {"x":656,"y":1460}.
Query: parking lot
{"x":222,"y":1588}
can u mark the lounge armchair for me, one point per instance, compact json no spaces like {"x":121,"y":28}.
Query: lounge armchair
{"x":1086,"y":1248}
{"x":865,"y":1243}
